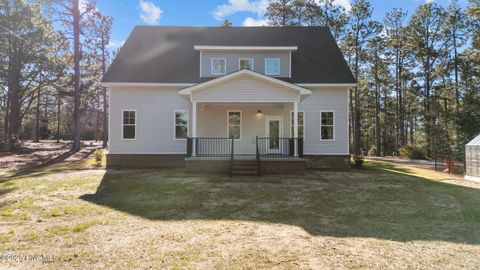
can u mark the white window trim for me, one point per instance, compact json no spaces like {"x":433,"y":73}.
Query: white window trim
{"x":334,"y":121}
{"x":252,"y":59}
{"x":175,"y":124}
{"x":123,"y":125}
{"x":211,"y":66}
{"x":279,"y":68}
{"x":291,"y":125}
{"x":241,"y":122}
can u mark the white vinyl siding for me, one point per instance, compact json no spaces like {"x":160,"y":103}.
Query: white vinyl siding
{"x":155,"y":106}
{"x":181,"y":121}
{"x":272,"y":66}
{"x":245,"y":89}
{"x":326,"y":99}
{"x":154,"y":120}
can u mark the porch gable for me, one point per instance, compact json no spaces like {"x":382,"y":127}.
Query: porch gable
{"x":247,"y":87}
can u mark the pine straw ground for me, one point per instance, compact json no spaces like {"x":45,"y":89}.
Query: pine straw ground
{"x":382,"y":217}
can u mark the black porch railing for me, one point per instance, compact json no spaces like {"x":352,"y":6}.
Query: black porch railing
{"x":278,"y":147}
{"x":210,"y":147}
{"x":264,"y":147}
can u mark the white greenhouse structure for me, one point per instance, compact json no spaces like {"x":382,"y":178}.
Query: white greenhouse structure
{"x":472,"y":160}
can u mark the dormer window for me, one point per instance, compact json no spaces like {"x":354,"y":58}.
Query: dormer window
{"x":245,"y":63}
{"x":218,"y":66}
{"x":272,"y":66}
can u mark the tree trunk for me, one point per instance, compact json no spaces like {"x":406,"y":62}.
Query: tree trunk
{"x":37,"y":119}
{"x":385,"y":121}
{"x":76,"y":52}
{"x":356,"y":122}
{"x":105,"y":104}
{"x":58,"y":116}
{"x":97,"y":121}
{"x":377,"y":108}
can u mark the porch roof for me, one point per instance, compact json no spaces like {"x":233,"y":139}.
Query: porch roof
{"x":245,"y":86}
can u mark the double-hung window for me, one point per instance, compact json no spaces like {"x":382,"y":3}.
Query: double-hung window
{"x":327,"y":125}
{"x":245,"y":63}
{"x":272,"y":66}
{"x":218,"y":66}
{"x":181,"y":124}
{"x":129,"y":122}
{"x":234,"y":124}
{"x":300,"y":124}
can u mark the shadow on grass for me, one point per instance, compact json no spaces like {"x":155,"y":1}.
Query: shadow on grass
{"x":57,"y":164}
{"x":368,"y":203}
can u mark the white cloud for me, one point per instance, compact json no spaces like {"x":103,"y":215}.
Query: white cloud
{"x":258,"y":7}
{"x":115,"y":44}
{"x":429,"y":1}
{"x":343,"y":3}
{"x":83,"y":5}
{"x":149,"y":12}
{"x":249,"y":21}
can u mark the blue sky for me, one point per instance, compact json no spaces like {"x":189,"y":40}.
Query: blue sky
{"x":128,"y":13}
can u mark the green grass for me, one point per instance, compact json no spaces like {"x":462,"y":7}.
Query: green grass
{"x":74,"y":209}
{"x":381,"y":201}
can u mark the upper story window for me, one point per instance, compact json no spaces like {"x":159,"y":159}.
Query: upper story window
{"x":218,"y":66}
{"x":245,"y":63}
{"x":272,"y":66}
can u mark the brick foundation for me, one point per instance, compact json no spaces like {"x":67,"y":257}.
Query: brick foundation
{"x":327,"y":162}
{"x":267,"y":166}
{"x":144,"y":161}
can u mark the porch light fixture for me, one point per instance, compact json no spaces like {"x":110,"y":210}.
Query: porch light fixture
{"x":259,"y":111}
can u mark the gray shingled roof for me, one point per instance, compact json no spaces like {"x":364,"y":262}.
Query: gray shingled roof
{"x":164,"y":54}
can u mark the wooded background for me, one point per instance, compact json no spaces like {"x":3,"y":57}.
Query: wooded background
{"x":418,"y":74}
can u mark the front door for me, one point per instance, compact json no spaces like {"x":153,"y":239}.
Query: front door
{"x":274,"y":131}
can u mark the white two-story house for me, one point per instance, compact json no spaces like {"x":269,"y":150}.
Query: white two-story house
{"x":206,"y":97}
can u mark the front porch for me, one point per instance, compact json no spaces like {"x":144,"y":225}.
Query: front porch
{"x":273,"y":156}
{"x":244,"y":120}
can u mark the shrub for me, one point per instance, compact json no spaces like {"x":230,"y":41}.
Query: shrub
{"x":373,"y":151}
{"x":358,"y":161}
{"x":412,"y":152}
{"x":98,"y":156}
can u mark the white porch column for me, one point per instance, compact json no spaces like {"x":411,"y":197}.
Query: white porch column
{"x":194,"y":127}
{"x":295,"y":127}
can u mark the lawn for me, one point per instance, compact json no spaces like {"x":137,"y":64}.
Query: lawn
{"x":383,"y":216}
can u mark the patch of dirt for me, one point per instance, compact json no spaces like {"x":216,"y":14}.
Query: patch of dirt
{"x":43,"y":153}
